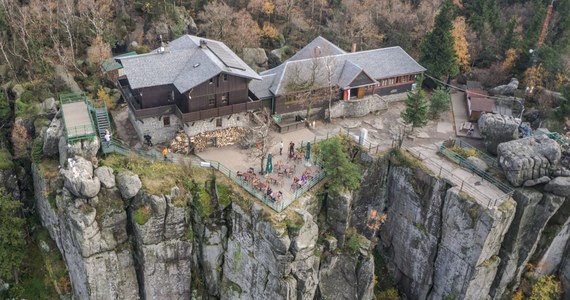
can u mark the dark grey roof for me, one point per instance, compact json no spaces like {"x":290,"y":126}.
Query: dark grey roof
{"x":261,"y":87}
{"x":317,"y":47}
{"x":377,"y":64}
{"x":183,"y":63}
{"x":348,"y":73}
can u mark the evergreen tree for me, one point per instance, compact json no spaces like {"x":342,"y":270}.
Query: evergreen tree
{"x":440,"y":101}
{"x":417,"y":107}
{"x":342,"y":172}
{"x":436,"y":51}
{"x":12,"y":243}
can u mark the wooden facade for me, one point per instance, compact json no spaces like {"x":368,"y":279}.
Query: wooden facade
{"x":298,"y":101}
{"x":222,"y":95}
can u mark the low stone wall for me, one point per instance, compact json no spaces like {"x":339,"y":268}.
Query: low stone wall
{"x":154,"y":127}
{"x":358,"y":107}
{"x":234,"y":120}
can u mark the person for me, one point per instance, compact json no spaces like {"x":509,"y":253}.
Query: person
{"x":291,"y":149}
{"x":279,"y":196}
{"x":148,"y":140}
{"x":107,"y":137}
{"x":281,"y":148}
{"x":269,"y":192}
{"x":303,"y":179}
{"x":165,"y":152}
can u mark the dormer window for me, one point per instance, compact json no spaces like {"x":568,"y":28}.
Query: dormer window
{"x":211,"y":80}
{"x":225,"y":77}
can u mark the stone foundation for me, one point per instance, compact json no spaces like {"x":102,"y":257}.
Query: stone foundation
{"x":154,"y":126}
{"x":234,"y":120}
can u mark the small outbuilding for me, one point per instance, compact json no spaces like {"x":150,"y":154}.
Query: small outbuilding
{"x":478,"y":101}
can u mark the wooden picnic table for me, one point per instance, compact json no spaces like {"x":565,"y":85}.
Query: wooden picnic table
{"x":260,"y":185}
{"x":247,"y":176}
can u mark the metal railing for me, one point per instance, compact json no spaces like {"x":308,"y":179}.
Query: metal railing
{"x":78,"y":132}
{"x":481,"y":155}
{"x":473,"y":168}
{"x":454,"y":180}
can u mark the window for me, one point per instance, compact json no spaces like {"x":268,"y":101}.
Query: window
{"x":225,"y":77}
{"x":219,"y":122}
{"x":166,"y":121}
{"x":226,"y":99}
{"x":211,"y":80}
{"x":398,"y":79}
{"x":212,"y":102}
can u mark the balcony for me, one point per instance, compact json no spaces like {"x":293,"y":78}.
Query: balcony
{"x":217,"y":111}
{"x":185,"y":117}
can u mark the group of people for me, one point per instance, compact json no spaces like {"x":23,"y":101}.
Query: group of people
{"x":291,"y":148}
{"x":274,"y":196}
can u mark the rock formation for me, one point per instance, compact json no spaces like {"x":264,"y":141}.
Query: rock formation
{"x":497,"y":129}
{"x":506,"y":89}
{"x":255,"y":58}
{"x":528,"y":158}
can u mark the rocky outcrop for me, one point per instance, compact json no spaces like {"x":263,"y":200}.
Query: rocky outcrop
{"x":52,"y":136}
{"x":528,"y":158}
{"x":162,"y":249}
{"x":346,"y":277}
{"x":467,"y":257}
{"x":417,"y":199}
{"x":86,"y":148}
{"x":255,"y":58}
{"x":91,"y":236}
{"x":128,"y":183}
{"x":507,"y":89}
{"x":78,"y":178}
{"x":451,"y":243}
{"x":338,"y":211}
{"x":496,"y":129}
{"x":533,"y":211}
{"x":559,"y":186}
{"x":479,"y":163}
{"x":106,"y":176}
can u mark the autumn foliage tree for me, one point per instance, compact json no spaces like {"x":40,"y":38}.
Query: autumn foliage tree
{"x":460,"y":44}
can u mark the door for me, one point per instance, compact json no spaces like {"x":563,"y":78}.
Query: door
{"x":361,"y":91}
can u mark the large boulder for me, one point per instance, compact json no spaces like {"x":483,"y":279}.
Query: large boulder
{"x":559,"y":186}
{"x":86,"y":148}
{"x":479,"y":163}
{"x":496,"y":129}
{"x":52,"y":136}
{"x":49,"y":107}
{"x":128,"y":183}
{"x":304,"y":243}
{"x":78,"y":178}
{"x":528,"y":158}
{"x":506,"y":89}
{"x":255,"y":58}
{"x":106,"y":176}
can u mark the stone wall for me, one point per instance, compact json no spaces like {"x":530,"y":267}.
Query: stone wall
{"x":154,"y":127}
{"x":234,"y":120}
{"x":358,"y":107}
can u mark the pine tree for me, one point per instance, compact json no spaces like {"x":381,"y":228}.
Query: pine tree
{"x":437,"y":53}
{"x":417,"y":107}
{"x":12,"y":242}
{"x":440,"y":101}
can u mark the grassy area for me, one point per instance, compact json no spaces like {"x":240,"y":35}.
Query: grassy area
{"x":142,"y":214}
{"x":49,"y":168}
{"x":5,"y":160}
{"x":403,"y":158}
{"x":157,"y":177}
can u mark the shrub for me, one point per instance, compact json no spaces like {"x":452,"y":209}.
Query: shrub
{"x":142,"y":214}
{"x":37,"y":150}
{"x":5,"y":160}
{"x":390,"y":294}
{"x":546,"y":288}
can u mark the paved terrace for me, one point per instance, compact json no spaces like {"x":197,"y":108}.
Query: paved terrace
{"x":77,"y":120}
{"x":484,"y":192}
{"x":232,"y":159}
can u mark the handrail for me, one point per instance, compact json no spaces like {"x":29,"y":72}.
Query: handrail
{"x":453,"y":179}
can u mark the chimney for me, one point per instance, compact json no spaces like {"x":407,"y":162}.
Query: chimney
{"x":161,"y":48}
{"x":353,"y":47}
{"x":317,"y":51}
{"x":203,"y":44}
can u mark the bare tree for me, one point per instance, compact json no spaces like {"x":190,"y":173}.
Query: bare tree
{"x":262,"y":139}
